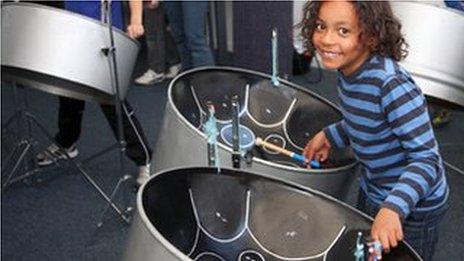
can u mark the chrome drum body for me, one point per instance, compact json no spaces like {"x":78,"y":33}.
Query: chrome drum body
{"x":287,"y":115}
{"x":60,"y":52}
{"x":199,"y":214}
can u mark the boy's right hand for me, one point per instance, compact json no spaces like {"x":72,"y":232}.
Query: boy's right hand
{"x":317,"y":148}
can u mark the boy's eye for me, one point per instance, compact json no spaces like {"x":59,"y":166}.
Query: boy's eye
{"x":343,"y":31}
{"x":320,"y":26}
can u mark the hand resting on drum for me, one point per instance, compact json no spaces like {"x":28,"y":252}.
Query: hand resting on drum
{"x":317,"y":148}
{"x":387,"y":229}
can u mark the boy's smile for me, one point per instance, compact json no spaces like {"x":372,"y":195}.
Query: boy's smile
{"x":337,"y":37}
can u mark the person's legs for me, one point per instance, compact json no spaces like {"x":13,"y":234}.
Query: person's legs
{"x":69,"y":121}
{"x":172,"y":56}
{"x":69,"y":129}
{"x":154,"y":35}
{"x":137,"y":148}
{"x":154,"y":39}
{"x":194,"y":14}
{"x":175,"y":15}
{"x":421,"y":231}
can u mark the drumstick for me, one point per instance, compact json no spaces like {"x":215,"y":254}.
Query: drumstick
{"x":293,"y":155}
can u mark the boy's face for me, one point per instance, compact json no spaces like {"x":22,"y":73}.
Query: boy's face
{"x":336,"y":37}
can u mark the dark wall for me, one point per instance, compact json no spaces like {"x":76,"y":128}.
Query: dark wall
{"x":253,"y":24}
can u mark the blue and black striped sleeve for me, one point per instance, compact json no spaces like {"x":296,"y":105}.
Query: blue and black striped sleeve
{"x":405,"y":109}
{"x":336,"y":134}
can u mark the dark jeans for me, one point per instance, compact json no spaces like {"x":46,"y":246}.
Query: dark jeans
{"x":70,"y":122}
{"x":420,"y":230}
{"x":162,"y":51}
{"x":187,"y":20}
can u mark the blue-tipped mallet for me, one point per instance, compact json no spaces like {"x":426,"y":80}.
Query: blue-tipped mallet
{"x":313,"y":163}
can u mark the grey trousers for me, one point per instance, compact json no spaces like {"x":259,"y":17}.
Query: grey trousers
{"x":162,"y":52}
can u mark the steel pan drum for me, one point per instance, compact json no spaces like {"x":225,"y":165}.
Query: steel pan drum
{"x":61,"y":52}
{"x":436,"y":39}
{"x":287,"y":116}
{"x":198,"y":214}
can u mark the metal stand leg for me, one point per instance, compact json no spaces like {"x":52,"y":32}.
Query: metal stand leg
{"x":82,"y":171}
{"x":24,"y":145}
{"x":24,"y":151}
{"x":25,"y":120}
{"x":110,"y":53}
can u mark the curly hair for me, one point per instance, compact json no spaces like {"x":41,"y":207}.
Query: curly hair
{"x":377,"y":22}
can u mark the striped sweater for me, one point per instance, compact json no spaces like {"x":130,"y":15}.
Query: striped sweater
{"x":386,"y":123}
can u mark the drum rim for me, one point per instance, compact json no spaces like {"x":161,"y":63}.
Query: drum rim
{"x":330,"y":171}
{"x":196,"y":169}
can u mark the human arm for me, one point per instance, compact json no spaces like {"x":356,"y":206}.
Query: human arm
{"x":135,"y":27}
{"x":319,"y":146}
{"x":405,"y":110}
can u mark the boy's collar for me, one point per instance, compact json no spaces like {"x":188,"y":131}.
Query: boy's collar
{"x":352,"y":77}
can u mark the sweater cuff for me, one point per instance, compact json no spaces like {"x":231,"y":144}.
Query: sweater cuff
{"x":394,"y":208}
{"x":332,"y":135}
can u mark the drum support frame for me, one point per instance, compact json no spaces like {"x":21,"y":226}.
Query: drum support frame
{"x":25,"y":120}
{"x":25,"y":144}
{"x":110,"y":53}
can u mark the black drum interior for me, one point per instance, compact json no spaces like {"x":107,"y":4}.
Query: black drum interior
{"x":234,"y":215}
{"x":286,"y":115}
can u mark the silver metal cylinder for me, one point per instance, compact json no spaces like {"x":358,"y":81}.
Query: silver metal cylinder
{"x":288,"y":114}
{"x":60,"y":52}
{"x":200,"y":214}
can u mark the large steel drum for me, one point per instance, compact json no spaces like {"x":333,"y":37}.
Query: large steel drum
{"x":61,"y":52}
{"x":287,"y":115}
{"x":436,"y":48}
{"x":199,"y":214}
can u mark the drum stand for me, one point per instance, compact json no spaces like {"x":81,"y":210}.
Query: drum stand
{"x":110,"y":53}
{"x":25,"y":118}
{"x":26,"y":148}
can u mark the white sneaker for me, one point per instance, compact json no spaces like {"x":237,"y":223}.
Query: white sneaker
{"x":144,"y":174}
{"x":53,"y":154}
{"x":173,"y":71}
{"x":150,"y":77}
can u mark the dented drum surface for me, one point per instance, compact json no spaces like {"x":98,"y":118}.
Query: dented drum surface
{"x":60,"y":52}
{"x":199,"y":214}
{"x":287,"y":116}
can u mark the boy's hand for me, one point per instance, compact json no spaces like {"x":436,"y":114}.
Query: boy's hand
{"x":317,"y":148}
{"x":387,"y":229}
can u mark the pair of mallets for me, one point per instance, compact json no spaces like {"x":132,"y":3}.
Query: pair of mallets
{"x":298,"y":157}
